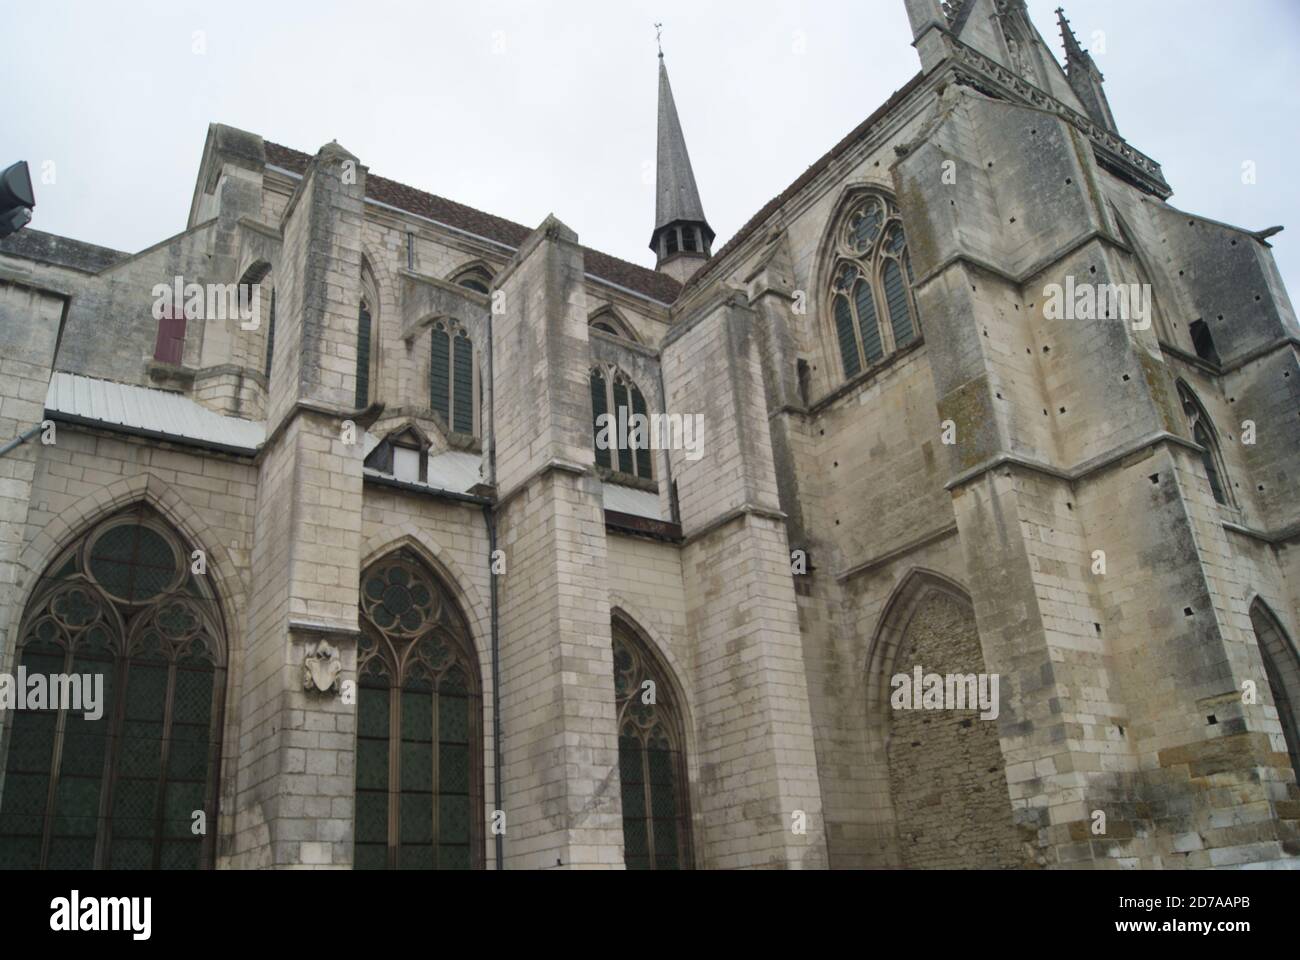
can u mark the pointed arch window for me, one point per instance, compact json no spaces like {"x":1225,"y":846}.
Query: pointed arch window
{"x":120,"y":790}
{"x":1205,"y":436}
{"x":419,"y":789}
{"x":651,"y":759}
{"x":872,"y":308}
{"x":615,"y":399}
{"x":451,"y":376}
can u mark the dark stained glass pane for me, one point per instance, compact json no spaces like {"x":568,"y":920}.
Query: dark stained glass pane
{"x":868,"y":325}
{"x":621,"y":403}
{"x":440,"y":374}
{"x":453,"y":719}
{"x":844,"y":333}
{"x":599,"y":407}
{"x":453,"y":821}
{"x":900,"y":315}
{"x":464,"y":373}
{"x":133,"y":563}
{"x":643,"y":452}
{"x":363,"y":356}
{"x":1208,"y":461}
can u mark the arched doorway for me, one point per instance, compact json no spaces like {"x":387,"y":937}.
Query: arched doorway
{"x":131,"y":783}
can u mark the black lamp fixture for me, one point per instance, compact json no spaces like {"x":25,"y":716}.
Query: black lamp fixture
{"x":16,"y":198}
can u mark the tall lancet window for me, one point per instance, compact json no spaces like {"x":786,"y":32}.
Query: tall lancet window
{"x":651,"y":759}
{"x":451,"y":376}
{"x":363,"y":355}
{"x":872,"y":309}
{"x":615,"y":400}
{"x":1205,"y":436}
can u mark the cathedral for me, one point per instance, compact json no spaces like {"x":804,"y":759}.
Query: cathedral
{"x":945,"y":516}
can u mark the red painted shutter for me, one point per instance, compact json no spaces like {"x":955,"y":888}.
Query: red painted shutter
{"x":171,"y":338}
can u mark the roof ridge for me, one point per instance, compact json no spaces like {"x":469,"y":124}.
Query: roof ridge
{"x":805,"y":178}
{"x":624,"y":273}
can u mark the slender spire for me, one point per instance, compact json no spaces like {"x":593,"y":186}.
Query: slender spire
{"x":1084,"y":77}
{"x":680,"y":225}
{"x":1075,"y":56}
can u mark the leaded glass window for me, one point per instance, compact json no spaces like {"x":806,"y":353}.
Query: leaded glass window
{"x":451,"y":376}
{"x":419,"y":785}
{"x":121,"y":789}
{"x":651,"y":759}
{"x":363,"y":355}
{"x":871,"y":304}
{"x":613,"y":393}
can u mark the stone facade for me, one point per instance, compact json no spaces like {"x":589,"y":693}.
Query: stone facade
{"x":1100,"y":510}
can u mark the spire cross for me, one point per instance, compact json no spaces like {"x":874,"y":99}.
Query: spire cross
{"x":659,"y":38}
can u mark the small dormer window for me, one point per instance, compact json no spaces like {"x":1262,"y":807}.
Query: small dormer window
{"x":406,"y":464}
{"x":402,"y":455}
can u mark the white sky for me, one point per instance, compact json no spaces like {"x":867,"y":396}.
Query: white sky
{"x":528,"y":108}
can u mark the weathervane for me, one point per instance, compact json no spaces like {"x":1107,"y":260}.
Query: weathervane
{"x":659,"y":38}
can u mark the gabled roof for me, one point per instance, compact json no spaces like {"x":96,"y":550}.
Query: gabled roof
{"x":757,"y":220}
{"x":656,"y":286}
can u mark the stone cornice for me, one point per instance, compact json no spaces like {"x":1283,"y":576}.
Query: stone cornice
{"x":1112,"y":151}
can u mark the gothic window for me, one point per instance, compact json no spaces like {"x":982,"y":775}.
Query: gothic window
{"x":419,"y":793}
{"x":123,"y":789}
{"x":363,"y":355}
{"x":872,"y":310}
{"x":451,"y":376}
{"x":616,"y":445}
{"x":1204,"y":435}
{"x":651,"y":759}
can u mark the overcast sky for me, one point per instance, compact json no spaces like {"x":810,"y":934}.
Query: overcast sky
{"x":524,"y":109}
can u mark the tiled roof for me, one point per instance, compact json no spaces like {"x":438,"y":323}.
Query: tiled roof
{"x":657,"y":286}
{"x":155,"y":413}
{"x":805,"y":178}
